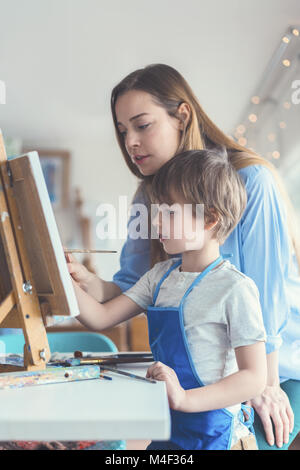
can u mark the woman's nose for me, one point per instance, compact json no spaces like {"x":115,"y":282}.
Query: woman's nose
{"x":132,"y":140}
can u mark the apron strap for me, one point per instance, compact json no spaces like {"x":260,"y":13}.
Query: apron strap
{"x":250,"y":412}
{"x":174,"y":266}
{"x":201,"y":276}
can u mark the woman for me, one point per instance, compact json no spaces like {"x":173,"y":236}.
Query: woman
{"x":156,"y":115}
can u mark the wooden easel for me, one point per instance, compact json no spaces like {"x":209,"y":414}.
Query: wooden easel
{"x":19,"y":307}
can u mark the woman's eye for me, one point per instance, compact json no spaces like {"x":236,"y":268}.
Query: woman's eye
{"x":144,"y":126}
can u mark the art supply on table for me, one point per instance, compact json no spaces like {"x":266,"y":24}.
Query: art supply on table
{"x":88,"y":251}
{"x":127,"y":374}
{"x":50,"y":375}
{"x":79,"y":354}
{"x":106,"y":377}
{"x":117,"y":358}
{"x":107,"y":360}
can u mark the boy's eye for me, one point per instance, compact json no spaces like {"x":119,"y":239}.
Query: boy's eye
{"x":168,"y":212}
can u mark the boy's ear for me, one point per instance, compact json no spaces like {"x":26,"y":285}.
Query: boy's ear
{"x":212,"y":220}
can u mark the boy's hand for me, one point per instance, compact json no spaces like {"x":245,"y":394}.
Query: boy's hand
{"x":176,"y":394}
{"x":78,"y":271}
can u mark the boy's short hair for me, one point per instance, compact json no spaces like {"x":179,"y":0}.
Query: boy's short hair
{"x":203,"y":177}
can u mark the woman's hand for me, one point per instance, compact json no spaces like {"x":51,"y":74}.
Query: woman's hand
{"x":273,"y":406}
{"x":176,"y":394}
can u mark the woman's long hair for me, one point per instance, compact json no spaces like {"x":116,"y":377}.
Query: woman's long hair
{"x":169,"y":90}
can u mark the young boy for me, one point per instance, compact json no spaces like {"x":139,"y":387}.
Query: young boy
{"x":205,"y":323}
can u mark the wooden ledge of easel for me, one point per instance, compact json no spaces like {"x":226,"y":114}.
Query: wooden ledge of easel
{"x":5,"y":368}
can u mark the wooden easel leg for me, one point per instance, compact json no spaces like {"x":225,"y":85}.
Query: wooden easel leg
{"x":29,"y":316}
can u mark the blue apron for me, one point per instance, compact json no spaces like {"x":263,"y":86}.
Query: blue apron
{"x":209,"y":430}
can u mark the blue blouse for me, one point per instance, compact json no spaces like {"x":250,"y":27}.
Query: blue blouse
{"x":260,"y":248}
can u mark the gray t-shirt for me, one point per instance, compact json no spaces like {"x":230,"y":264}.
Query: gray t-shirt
{"x":220,"y":314}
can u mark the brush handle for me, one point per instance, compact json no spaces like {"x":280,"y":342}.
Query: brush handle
{"x":114,"y":360}
{"x":128,"y":374}
{"x":89,"y":251}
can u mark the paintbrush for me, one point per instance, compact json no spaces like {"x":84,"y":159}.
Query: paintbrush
{"x":127,"y":374}
{"x":108,"y":360}
{"x":79,"y":354}
{"x":88,"y":251}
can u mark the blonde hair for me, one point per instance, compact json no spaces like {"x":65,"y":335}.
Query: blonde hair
{"x":203,"y":177}
{"x":169,"y":90}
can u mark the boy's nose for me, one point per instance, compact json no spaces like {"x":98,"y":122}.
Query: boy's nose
{"x":156,"y":218}
{"x":156,"y":223}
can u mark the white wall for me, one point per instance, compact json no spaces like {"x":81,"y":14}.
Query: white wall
{"x":61,"y":58}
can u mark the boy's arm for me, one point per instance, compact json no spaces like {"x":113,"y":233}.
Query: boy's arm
{"x":96,"y":316}
{"x":248,"y":382}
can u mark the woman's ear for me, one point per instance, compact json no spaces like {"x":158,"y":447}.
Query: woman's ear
{"x":183,"y":114}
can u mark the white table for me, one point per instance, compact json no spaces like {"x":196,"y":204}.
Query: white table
{"x":122,"y":408}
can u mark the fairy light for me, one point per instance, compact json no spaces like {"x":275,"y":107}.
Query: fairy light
{"x":242,"y":141}
{"x":252,"y":117}
{"x":241,"y":129}
{"x":255,"y":99}
{"x":272,"y":137}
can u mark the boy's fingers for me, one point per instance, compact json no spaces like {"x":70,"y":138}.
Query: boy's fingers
{"x":69,"y":256}
{"x":70,"y":267}
{"x":152,"y":368}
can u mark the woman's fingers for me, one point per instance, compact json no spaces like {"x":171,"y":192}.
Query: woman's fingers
{"x":290,"y":415}
{"x":267,"y":425}
{"x":286,"y":427}
{"x":278,"y":424}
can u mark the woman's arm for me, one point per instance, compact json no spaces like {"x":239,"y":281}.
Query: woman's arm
{"x":96,"y":316}
{"x":249,"y":381}
{"x":273,"y":406}
{"x":264,"y":231}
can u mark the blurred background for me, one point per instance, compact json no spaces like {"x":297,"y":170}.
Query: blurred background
{"x":60,"y":59}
